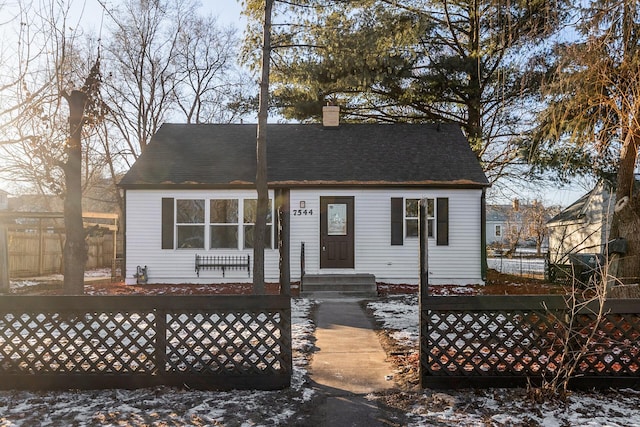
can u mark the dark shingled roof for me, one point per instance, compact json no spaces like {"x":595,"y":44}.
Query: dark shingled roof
{"x":573,"y":212}
{"x":308,"y":154}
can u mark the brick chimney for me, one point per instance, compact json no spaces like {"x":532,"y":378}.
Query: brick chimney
{"x":330,"y":116}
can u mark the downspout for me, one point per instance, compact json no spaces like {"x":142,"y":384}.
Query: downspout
{"x":483,"y":235}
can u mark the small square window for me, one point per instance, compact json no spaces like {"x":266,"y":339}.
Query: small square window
{"x":412,"y":217}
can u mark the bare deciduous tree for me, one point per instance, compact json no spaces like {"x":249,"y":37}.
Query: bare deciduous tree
{"x":45,"y":149}
{"x":139,"y":58}
{"x":535,"y":216}
{"x":85,"y":107}
{"x":166,"y":62}
{"x":205,"y":71}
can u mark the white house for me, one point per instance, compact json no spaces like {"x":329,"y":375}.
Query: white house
{"x":496,"y":225}
{"x":582,"y":227}
{"x":352,"y":191}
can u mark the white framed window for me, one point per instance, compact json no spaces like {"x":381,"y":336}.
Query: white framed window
{"x":248,"y":223}
{"x":190,"y":222}
{"x":222,"y":223}
{"x":411,"y":217}
{"x":498,"y":231}
{"x":223,"y":220}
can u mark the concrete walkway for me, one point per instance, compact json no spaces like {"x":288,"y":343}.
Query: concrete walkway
{"x":349,"y":364}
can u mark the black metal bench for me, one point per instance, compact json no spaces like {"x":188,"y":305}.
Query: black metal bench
{"x":223,"y":262}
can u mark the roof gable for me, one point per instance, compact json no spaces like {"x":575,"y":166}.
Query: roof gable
{"x":498,"y":213}
{"x":363,"y":154}
{"x":578,"y":210}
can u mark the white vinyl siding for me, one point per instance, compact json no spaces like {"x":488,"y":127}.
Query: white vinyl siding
{"x":459,"y":262}
{"x":144,"y":241}
{"x":586,"y":234}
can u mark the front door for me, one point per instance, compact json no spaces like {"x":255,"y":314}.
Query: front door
{"x":336,"y":232}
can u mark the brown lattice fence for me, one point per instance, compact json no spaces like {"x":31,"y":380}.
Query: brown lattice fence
{"x":489,"y":341}
{"x":86,"y":342}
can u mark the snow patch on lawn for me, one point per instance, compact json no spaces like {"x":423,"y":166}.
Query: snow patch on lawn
{"x":33,"y":281}
{"x":500,"y":407}
{"x":399,"y":315}
{"x":171,"y":405}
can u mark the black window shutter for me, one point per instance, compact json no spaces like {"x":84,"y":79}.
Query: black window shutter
{"x":276,"y":225}
{"x":167,"y":223}
{"x":442,"y":220}
{"x":397,"y":226}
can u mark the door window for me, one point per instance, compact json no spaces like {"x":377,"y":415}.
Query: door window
{"x":337,"y":219}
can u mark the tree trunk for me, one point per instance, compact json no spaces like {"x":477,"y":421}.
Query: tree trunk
{"x":75,"y":251}
{"x":626,"y":220}
{"x":261,"y":157}
{"x":474,"y":100}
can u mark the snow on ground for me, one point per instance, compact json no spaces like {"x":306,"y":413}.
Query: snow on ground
{"x":517,"y":265}
{"x":499,"y":407}
{"x":399,"y":315}
{"x":164,"y":406}
{"x":33,"y":281}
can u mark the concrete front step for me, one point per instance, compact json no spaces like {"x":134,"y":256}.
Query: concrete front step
{"x":322,"y":295}
{"x":335,"y":285}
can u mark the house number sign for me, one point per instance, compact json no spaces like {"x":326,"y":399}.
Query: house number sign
{"x":301,"y":212}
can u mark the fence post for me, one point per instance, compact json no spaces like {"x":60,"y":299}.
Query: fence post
{"x":161,"y":342}
{"x":302,"y":265}
{"x":282,"y":200}
{"x":424,"y":248}
{"x":41,"y":246}
{"x":4,"y":259}
{"x":423,"y":315}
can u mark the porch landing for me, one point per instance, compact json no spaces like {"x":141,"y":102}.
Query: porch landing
{"x":337,"y":285}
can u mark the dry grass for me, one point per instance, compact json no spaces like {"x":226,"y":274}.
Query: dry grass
{"x":497,"y":284}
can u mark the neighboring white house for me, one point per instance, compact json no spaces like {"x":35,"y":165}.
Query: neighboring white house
{"x":352,"y":192}
{"x":496,"y":224}
{"x":501,"y":221}
{"x":583,"y":227}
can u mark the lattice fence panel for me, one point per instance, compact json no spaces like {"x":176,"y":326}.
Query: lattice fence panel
{"x":213,"y":342}
{"x":77,"y":342}
{"x":226,"y":342}
{"x":615,"y":347}
{"x":527,"y":337}
{"x":491,"y":343}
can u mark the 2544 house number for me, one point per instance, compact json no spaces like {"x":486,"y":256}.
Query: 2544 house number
{"x":300,"y":212}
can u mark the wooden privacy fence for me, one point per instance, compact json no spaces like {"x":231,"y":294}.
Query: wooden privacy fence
{"x":32,"y":254}
{"x":88,"y":342}
{"x":487,"y":341}
{"x":35,"y":241}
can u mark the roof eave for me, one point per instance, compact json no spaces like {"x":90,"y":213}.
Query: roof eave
{"x":459,"y":184}
{"x":379,"y":183}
